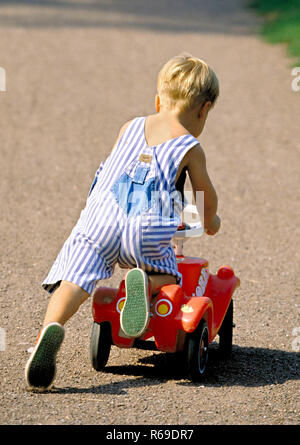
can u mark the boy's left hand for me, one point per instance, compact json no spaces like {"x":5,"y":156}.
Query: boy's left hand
{"x":214,"y":226}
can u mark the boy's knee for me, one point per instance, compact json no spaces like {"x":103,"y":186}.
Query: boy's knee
{"x":74,"y":289}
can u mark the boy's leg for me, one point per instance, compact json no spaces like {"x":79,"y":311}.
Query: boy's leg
{"x":41,"y":367}
{"x":157,"y":281}
{"x":64,"y":303}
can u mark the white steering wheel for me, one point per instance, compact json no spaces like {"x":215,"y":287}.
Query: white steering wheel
{"x":193,"y":229}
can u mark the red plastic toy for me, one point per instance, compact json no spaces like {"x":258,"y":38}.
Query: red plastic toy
{"x":183,"y":319}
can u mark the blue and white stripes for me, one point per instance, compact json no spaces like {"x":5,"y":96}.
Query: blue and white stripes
{"x":106,"y":233}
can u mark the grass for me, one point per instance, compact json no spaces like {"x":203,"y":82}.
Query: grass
{"x":282,"y":23}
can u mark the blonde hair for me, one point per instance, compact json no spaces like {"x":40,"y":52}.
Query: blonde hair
{"x":186,"y":82}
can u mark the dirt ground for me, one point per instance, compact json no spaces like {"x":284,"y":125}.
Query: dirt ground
{"x":76,"y":70}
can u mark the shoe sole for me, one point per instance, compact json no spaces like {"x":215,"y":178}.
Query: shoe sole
{"x":135,"y":313}
{"x":40,"y":369}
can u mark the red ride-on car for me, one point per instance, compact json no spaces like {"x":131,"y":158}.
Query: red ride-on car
{"x":183,"y":318}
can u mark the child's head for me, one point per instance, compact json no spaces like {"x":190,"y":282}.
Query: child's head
{"x":185,"y":82}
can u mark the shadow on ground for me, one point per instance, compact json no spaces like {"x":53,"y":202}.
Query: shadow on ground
{"x":249,"y":367}
{"x":216,"y":16}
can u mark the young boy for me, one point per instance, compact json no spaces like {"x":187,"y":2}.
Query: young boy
{"x":133,"y":211}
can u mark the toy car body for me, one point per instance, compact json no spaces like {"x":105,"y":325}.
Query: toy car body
{"x":182,"y":318}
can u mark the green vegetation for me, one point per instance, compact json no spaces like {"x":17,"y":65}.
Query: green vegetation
{"x":282,"y":23}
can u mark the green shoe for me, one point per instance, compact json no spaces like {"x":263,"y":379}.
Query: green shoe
{"x":135,"y":313}
{"x":40,"y":369}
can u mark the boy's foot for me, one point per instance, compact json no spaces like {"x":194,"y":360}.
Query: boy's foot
{"x":41,"y":368}
{"x":135,"y":313}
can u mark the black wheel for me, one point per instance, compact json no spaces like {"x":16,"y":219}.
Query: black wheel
{"x":225,"y":334}
{"x":100,"y":344}
{"x":197,"y":352}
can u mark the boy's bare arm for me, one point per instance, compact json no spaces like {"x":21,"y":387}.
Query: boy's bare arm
{"x":200,"y":180}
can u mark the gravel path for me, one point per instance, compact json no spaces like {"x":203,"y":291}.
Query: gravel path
{"x":76,"y":71}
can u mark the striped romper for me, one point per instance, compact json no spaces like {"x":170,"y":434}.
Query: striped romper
{"x":132,"y":212}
